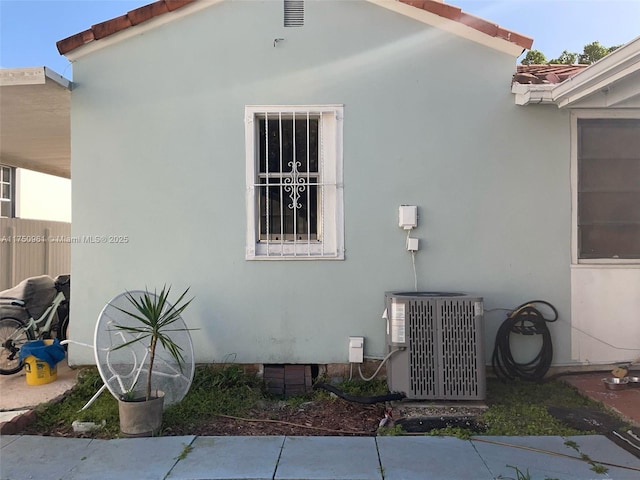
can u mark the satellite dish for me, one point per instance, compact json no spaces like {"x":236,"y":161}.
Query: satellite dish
{"x":125,"y":369}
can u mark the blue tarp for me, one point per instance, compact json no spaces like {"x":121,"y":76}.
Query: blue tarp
{"x":52,"y":354}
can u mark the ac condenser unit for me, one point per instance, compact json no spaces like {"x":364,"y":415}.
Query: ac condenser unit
{"x":440,"y":345}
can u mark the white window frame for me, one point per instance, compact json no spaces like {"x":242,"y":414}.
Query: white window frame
{"x":330,"y":245}
{"x":11,"y":201}
{"x":589,"y":114}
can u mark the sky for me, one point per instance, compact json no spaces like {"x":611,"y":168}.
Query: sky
{"x":29,"y":29}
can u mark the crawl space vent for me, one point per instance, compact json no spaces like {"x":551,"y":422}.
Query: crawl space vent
{"x":288,"y":380}
{"x":293,"y":13}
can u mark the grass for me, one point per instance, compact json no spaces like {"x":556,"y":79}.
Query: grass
{"x":520,"y":408}
{"x":515,"y":408}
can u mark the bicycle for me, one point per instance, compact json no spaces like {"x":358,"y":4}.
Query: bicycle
{"x":36,"y":308}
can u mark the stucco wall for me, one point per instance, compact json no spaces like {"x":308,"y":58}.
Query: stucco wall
{"x":158,"y":155}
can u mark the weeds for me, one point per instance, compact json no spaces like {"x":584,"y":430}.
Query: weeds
{"x":596,"y":467}
{"x":215,"y":390}
{"x":516,"y":408}
{"x":520,"y":408}
{"x":459,"y":432}
{"x":520,"y":475}
{"x":394,"y":431}
{"x":55,"y":416}
{"x":186,"y":450}
{"x":360,"y":388}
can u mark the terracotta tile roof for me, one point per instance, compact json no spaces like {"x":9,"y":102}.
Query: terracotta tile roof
{"x":456,"y":14}
{"x":134,"y":17}
{"x":160,"y":7}
{"x":548,"y":73}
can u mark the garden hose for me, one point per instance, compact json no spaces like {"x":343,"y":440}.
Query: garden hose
{"x":524,"y":320}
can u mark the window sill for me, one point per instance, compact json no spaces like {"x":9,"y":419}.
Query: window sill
{"x":607,"y":263}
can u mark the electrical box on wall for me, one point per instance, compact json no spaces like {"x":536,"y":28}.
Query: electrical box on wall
{"x":408,"y":216}
{"x":356,"y":349}
{"x":412,"y":244}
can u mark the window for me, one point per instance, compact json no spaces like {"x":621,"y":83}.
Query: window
{"x":294,"y":182}
{"x":7,"y":191}
{"x":608,"y":197}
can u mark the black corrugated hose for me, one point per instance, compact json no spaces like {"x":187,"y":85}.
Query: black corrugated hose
{"x":366,"y":400}
{"x":524,"y":320}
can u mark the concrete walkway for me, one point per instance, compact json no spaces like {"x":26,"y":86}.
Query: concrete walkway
{"x":313,"y":458}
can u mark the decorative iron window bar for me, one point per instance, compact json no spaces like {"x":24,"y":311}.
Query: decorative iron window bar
{"x":289,"y":180}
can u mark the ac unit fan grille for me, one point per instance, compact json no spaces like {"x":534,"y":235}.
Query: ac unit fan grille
{"x":443,"y":356}
{"x":422,"y":349}
{"x":459,"y":342}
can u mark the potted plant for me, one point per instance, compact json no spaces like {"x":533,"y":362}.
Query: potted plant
{"x":153,"y":320}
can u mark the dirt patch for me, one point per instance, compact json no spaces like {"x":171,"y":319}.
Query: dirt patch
{"x":334,"y":417}
{"x":323,"y":417}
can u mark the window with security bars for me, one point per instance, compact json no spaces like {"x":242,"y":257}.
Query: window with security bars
{"x":288,"y":176}
{"x":608,"y":188}
{"x":6,"y":191}
{"x":294,"y":180}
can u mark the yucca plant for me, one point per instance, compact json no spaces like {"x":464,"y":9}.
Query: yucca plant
{"x":157,"y":321}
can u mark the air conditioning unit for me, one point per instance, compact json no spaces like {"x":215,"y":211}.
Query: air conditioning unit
{"x":440,"y":345}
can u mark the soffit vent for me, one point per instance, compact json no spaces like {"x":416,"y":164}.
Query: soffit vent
{"x":293,"y":13}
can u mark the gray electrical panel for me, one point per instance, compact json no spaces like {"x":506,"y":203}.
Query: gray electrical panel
{"x":440,"y":343}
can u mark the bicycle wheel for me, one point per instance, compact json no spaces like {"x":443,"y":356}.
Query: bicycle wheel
{"x":13,"y":335}
{"x":63,"y":326}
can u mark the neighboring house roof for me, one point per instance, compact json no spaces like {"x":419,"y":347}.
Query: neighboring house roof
{"x":36,"y":103}
{"x":548,"y":73}
{"x":612,"y":81}
{"x":162,"y":7}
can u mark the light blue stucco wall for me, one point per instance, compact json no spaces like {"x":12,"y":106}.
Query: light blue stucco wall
{"x":158,"y":155}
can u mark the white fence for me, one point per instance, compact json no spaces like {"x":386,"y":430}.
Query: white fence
{"x":33,"y":247}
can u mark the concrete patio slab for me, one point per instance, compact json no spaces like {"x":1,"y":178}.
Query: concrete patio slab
{"x":600,"y":449}
{"x":7,"y":439}
{"x":329,"y":458}
{"x":430,"y":458}
{"x":530,"y":454}
{"x":139,"y":458}
{"x":230,"y":458}
{"x":25,"y":458}
{"x":17,"y":395}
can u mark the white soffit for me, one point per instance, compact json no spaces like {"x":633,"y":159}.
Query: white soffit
{"x":35,"y":120}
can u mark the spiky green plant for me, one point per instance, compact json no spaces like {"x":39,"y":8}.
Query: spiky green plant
{"x":156,"y":319}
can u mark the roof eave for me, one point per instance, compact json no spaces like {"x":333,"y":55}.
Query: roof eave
{"x":454,"y":20}
{"x":31,"y":76}
{"x":532,"y":94}
{"x":112,"y":31}
{"x":38,"y":101}
{"x":432,"y":12}
{"x":617,"y":65}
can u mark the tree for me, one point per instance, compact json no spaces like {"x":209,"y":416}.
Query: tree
{"x":591,"y":53}
{"x":566,"y":58}
{"x":534,"y":57}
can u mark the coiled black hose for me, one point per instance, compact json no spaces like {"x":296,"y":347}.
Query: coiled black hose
{"x":524,"y":320}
